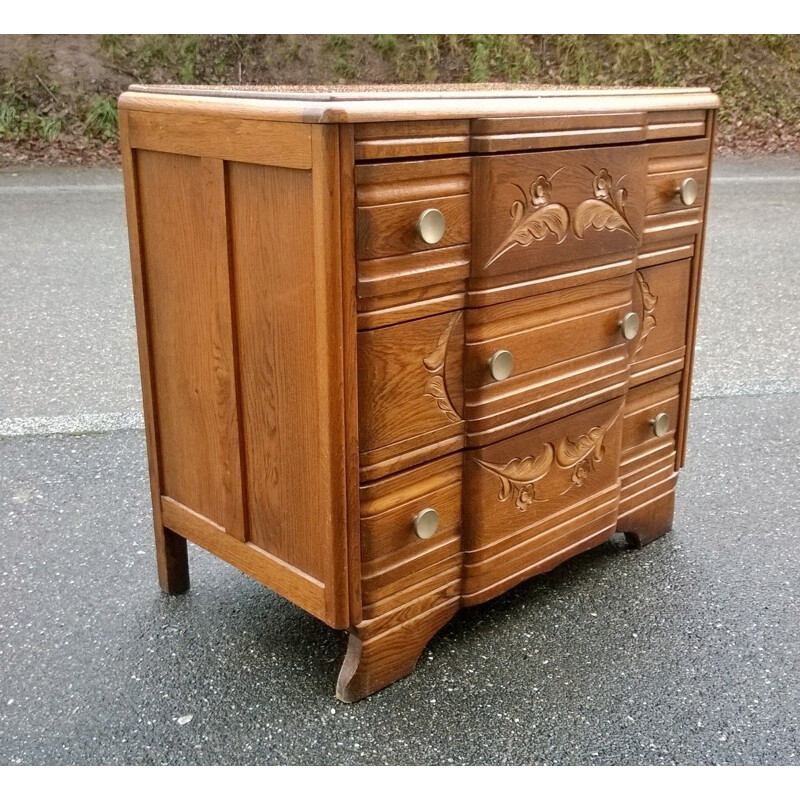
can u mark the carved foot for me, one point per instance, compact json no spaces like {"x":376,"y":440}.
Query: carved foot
{"x":378,"y":655}
{"x":173,"y":561}
{"x":648,"y":522}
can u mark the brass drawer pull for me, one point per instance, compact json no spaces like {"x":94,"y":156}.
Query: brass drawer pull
{"x":687,"y":191}
{"x":660,"y":424}
{"x":629,"y":325}
{"x":501,"y":365}
{"x":431,"y":225}
{"x":426,"y":523}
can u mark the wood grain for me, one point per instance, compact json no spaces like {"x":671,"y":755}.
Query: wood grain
{"x":314,"y":374}
{"x":280,"y":144}
{"x":410,"y":385}
{"x":546,"y":209}
{"x":188,"y":308}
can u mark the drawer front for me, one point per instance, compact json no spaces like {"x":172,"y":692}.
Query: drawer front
{"x":391,"y":197}
{"x":535,"y":499}
{"x":670,"y":216}
{"x":661,"y":299}
{"x":568,"y":353}
{"x":537,"y":210}
{"x":410,"y":392}
{"x":647,"y":465}
{"x":397,"y":564}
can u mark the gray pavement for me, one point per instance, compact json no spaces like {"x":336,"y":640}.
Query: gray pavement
{"x":685,"y":652}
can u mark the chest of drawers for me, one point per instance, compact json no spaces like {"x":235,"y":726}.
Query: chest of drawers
{"x":402,"y":350}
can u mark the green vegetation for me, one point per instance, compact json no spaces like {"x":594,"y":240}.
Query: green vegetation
{"x":757,"y":77}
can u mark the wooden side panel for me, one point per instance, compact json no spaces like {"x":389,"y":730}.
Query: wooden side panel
{"x":184,"y":242}
{"x":239,"y":279}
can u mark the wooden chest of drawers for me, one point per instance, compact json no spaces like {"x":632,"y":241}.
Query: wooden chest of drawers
{"x":402,"y":350}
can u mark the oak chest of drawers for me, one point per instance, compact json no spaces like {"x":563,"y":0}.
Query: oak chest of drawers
{"x":402,"y":350}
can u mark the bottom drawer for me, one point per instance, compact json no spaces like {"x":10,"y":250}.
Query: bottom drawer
{"x":647,"y":468}
{"x":538,"y":498}
{"x":399,"y":566}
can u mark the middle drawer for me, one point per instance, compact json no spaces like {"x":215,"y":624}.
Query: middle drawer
{"x":427,"y":387}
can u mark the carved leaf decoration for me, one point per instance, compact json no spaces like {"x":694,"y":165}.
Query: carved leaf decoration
{"x":534,"y":226}
{"x":436,"y":385}
{"x":518,"y":476}
{"x":435,"y":361}
{"x":600,"y":215}
{"x":570,"y":452}
{"x":649,"y":301}
{"x":435,"y":388}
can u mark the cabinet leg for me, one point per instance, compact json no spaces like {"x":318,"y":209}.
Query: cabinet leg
{"x":377,"y":655}
{"x":172,"y":560}
{"x":648,"y":522}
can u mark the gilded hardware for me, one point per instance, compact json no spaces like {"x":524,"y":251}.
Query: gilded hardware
{"x":660,"y":424}
{"x":501,"y":365}
{"x":629,"y":325}
{"x":431,"y":225}
{"x":687,"y":191}
{"x":426,"y":523}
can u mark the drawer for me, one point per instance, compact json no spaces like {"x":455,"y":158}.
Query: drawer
{"x":647,"y":466}
{"x":568,"y":353}
{"x":397,"y":564}
{"x":534,"y":499}
{"x":661,"y":299}
{"x":410,"y":392}
{"x":539,"y":211}
{"x":391,"y":198}
{"x":672,"y":216}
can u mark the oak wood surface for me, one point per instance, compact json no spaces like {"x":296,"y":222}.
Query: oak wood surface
{"x":314,"y":374}
{"x":546,"y":209}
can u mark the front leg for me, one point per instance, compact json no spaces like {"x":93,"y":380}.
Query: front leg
{"x":383,"y":650}
{"x":648,"y":522}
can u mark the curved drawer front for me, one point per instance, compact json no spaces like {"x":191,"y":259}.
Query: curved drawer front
{"x":539,"y":210}
{"x":410,"y":392}
{"x":535,"y":499}
{"x":568,"y":353}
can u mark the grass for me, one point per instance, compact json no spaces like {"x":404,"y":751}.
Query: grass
{"x":757,"y":76}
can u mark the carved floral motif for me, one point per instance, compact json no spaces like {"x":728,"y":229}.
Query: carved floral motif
{"x":534,"y":220}
{"x":606,"y":210}
{"x":435,"y":363}
{"x":580,"y":455}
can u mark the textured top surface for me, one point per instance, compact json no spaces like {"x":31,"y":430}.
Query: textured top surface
{"x":410,"y":102}
{"x":333,"y":92}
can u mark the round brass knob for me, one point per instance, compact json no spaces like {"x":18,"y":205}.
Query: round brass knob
{"x":660,"y":424}
{"x":501,"y":365}
{"x":431,"y":225}
{"x":426,"y":523}
{"x":687,"y":191}
{"x":629,"y":325}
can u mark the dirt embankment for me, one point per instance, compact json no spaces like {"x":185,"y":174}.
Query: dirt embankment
{"x":57,"y":92}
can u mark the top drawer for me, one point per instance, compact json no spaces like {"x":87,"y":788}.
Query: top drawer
{"x":392,"y":197}
{"x":540,"y":210}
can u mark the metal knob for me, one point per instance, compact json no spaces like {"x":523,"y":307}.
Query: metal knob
{"x":501,"y":365}
{"x":426,"y":523}
{"x":629,"y":325}
{"x":660,"y":424}
{"x":687,"y":191}
{"x":431,"y":225}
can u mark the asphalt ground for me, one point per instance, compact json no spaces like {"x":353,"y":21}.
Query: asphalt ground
{"x":685,"y":652}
